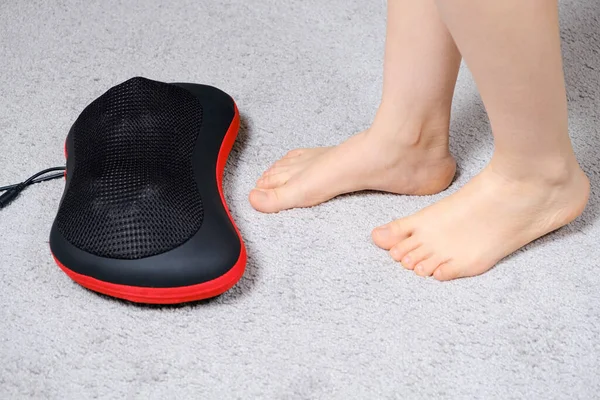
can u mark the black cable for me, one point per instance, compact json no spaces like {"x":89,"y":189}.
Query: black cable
{"x":36,"y":180}
{"x":12,"y":191}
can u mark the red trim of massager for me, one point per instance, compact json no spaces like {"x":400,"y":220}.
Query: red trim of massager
{"x":181,"y":294}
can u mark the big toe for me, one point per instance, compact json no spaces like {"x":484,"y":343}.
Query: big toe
{"x":272,"y":200}
{"x":387,"y":236}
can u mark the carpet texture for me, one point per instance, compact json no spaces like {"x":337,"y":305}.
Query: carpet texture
{"x":321,"y":312}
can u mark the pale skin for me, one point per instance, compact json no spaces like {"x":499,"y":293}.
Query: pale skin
{"x":533,"y":184}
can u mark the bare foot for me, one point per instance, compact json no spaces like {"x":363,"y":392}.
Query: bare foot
{"x":492,"y":216}
{"x":407,"y":159}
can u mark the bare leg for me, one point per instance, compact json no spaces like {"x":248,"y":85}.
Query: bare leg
{"x":406,"y":148}
{"x":533,"y":184}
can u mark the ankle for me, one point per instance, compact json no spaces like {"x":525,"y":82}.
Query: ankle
{"x":411,"y":129}
{"x":551,"y":171}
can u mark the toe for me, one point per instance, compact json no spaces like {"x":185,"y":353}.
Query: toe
{"x":274,"y":171}
{"x":286,"y":161}
{"x":414,"y":257}
{"x":446,"y":271}
{"x":306,"y":153}
{"x":387,"y":236}
{"x":272,"y":181}
{"x":400,"y":250}
{"x":295,"y":153}
{"x":273,"y":200}
{"x":428,"y":265}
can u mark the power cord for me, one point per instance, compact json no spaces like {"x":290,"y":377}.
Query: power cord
{"x":12,"y":191}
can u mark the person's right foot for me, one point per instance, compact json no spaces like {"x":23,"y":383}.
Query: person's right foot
{"x":492,"y":216}
{"x":404,"y":158}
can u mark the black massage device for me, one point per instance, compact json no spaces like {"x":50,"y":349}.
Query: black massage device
{"x":143,"y":216}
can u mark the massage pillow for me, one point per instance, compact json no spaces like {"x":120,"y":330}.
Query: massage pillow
{"x":143,"y":216}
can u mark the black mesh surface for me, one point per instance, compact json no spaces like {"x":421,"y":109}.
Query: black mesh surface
{"x":132,"y":192}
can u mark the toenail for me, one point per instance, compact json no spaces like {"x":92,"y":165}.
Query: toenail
{"x":383,"y":230}
{"x":406,"y":260}
{"x":261,"y":194}
{"x":419,"y":268}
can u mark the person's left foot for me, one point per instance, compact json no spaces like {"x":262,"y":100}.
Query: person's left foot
{"x":381,"y":158}
{"x":492,"y":216}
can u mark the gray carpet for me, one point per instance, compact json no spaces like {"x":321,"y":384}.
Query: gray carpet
{"x":320,"y":312}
